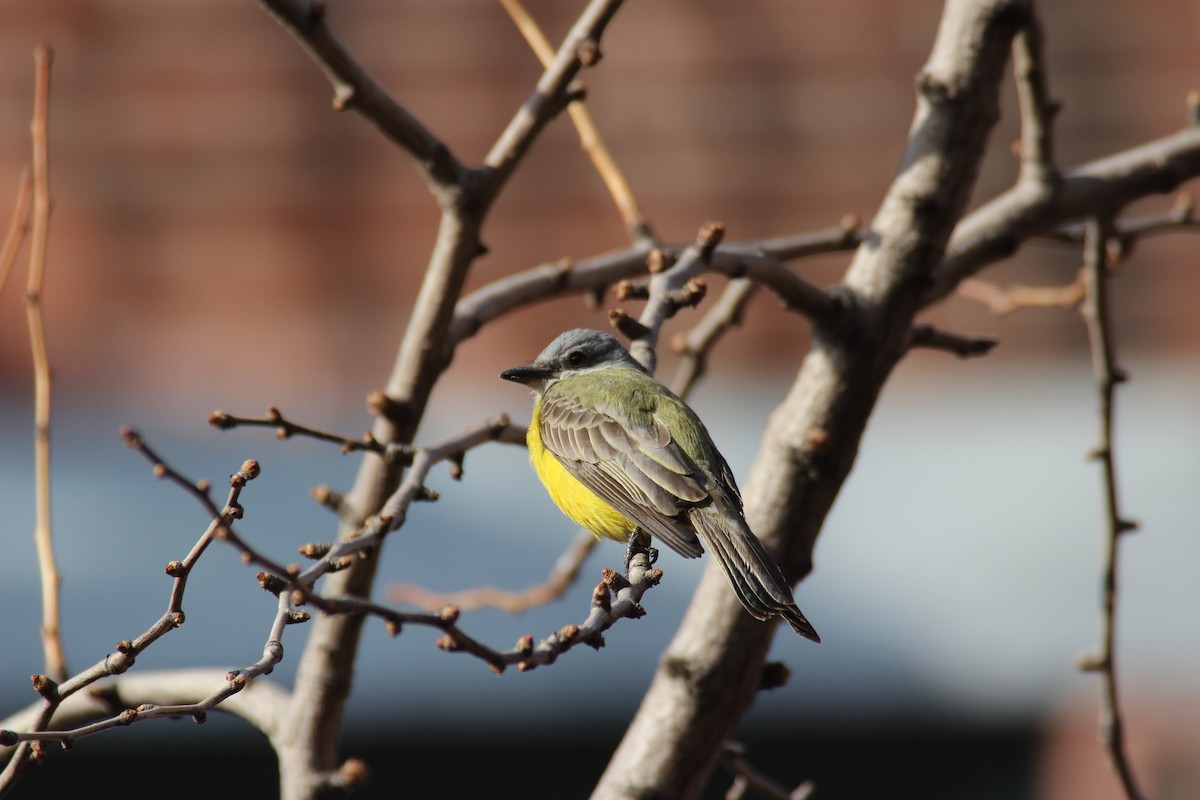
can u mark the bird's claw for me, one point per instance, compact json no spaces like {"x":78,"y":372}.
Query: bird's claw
{"x":639,"y":543}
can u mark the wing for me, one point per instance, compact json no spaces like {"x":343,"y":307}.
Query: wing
{"x":630,"y":461}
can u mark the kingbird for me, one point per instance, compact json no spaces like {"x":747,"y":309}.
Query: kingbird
{"x":622,"y":456}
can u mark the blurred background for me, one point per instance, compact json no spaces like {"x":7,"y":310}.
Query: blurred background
{"x":221,"y":238}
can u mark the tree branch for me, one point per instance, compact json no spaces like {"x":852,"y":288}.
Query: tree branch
{"x":18,"y":226}
{"x":354,"y":88}
{"x":1097,"y":315}
{"x":579,"y":49}
{"x":325,"y":669}
{"x":589,"y":137}
{"x":562,"y":575}
{"x":713,"y":665}
{"x":54,"y":693}
{"x":1036,"y":107}
{"x":55,"y":660}
{"x":997,"y":228}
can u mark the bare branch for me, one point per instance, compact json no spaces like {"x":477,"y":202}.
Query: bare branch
{"x":668,"y":292}
{"x":811,"y":439}
{"x":354,"y":87}
{"x":286,"y":428}
{"x":52,"y":647}
{"x":997,"y":228}
{"x":1127,"y":233}
{"x":54,"y":693}
{"x":761,"y":261}
{"x":562,"y":575}
{"x":1005,"y":300}
{"x":961,"y":345}
{"x":261,"y":703}
{"x":18,"y":226}
{"x":616,"y":597}
{"x":695,"y":346}
{"x":1109,"y":375}
{"x":1036,"y":107}
{"x":589,"y":136}
{"x":551,"y":94}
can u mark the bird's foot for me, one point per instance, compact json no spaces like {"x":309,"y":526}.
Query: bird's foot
{"x":639,"y":543}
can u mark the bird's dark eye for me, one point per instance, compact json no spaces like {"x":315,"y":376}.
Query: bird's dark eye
{"x":576,"y":358}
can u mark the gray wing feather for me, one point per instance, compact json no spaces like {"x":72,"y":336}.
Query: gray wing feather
{"x":639,"y":471}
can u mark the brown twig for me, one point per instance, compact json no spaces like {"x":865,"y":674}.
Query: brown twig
{"x":354,"y":88}
{"x":55,"y":692}
{"x":615,"y":597}
{"x":667,"y":293}
{"x":562,"y":575}
{"x":18,"y":226}
{"x":695,"y":346}
{"x":762,"y":261}
{"x":55,"y":660}
{"x":1097,"y":315}
{"x":1005,"y":300}
{"x":1127,"y":233}
{"x":999,"y":226}
{"x":579,"y":49}
{"x":1037,"y":110}
{"x":589,"y":137}
{"x":286,"y":428}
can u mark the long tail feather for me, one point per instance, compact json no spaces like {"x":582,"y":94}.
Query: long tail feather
{"x":754,"y":575}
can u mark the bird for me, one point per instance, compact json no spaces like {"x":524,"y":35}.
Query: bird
{"x":622,"y":456}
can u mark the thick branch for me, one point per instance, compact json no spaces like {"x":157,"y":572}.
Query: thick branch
{"x":1100,"y":187}
{"x":713,"y":666}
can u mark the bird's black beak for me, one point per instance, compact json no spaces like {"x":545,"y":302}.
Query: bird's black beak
{"x":528,"y":375}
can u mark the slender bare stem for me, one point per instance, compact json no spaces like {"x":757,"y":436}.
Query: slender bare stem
{"x":1036,"y":107}
{"x":55,"y":660}
{"x":55,"y":692}
{"x":695,"y":346}
{"x":562,"y":575}
{"x":354,"y":88}
{"x":18,"y":226}
{"x":589,"y":137}
{"x":1097,"y":315}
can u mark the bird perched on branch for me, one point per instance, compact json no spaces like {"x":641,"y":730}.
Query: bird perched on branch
{"x":622,"y":456}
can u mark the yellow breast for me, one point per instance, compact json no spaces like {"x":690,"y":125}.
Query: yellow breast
{"x":573,"y":498}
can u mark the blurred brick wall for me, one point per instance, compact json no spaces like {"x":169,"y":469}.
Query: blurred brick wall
{"x":216,"y":222}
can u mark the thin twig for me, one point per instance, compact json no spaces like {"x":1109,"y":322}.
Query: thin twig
{"x":562,"y":575}
{"x":671,"y":286}
{"x":695,"y":346}
{"x":998,"y":227}
{"x":1097,"y":315}
{"x":55,"y":660}
{"x":1036,"y":108}
{"x":354,"y":88}
{"x":762,"y":261}
{"x":18,"y":226}
{"x":1005,"y":300}
{"x":553,"y":91}
{"x":589,"y":137}
{"x":55,"y":692}
{"x":1127,"y":233}
{"x":286,"y":428}
{"x":961,"y":345}
{"x":615,"y":597}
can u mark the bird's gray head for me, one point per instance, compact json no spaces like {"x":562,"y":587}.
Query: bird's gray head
{"x":576,"y":351}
